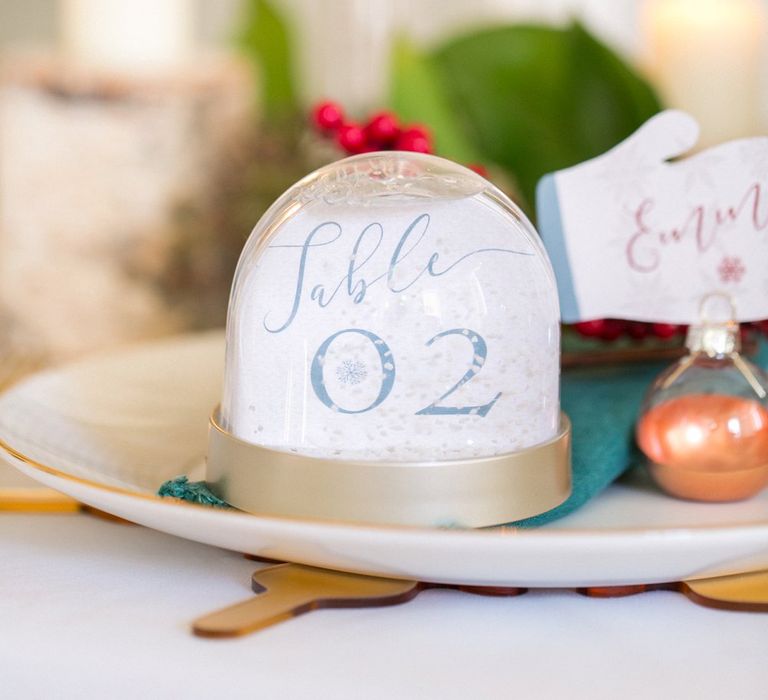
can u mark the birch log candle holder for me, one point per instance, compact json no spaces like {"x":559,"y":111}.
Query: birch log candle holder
{"x":97,"y":166}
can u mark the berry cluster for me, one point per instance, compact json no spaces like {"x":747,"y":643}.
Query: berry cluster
{"x":382,"y":131}
{"x":610,"y":329}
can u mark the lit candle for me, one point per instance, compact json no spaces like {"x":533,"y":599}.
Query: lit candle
{"x":705,"y":57}
{"x":127,"y":36}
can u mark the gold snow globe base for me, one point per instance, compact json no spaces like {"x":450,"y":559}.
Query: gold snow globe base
{"x":477,"y":492}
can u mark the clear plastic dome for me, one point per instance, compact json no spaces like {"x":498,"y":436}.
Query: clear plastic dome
{"x":393,"y":306}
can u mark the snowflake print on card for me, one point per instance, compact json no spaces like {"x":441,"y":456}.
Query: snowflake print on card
{"x":731,"y":269}
{"x":351,"y":372}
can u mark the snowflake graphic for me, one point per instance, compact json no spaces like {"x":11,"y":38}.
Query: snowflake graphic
{"x":351,"y":372}
{"x":731,"y":270}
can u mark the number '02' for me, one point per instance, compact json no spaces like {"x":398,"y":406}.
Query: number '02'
{"x":479,"y":355}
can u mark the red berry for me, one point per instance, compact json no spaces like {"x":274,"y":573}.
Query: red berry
{"x":328,"y":116}
{"x":637,"y":330}
{"x":612,"y":330}
{"x":479,"y":169}
{"x":664,"y":330}
{"x":590,"y":329}
{"x":351,"y":138}
{"x":382,"y":129}
{"x":414,"y":138}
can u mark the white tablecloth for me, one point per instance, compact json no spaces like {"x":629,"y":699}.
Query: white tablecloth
{"x":94,"y":609}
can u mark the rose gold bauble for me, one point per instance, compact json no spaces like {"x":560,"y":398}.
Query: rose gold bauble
{"x":707,"y":447}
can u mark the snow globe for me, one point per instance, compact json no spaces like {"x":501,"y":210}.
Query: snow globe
{"x":393,"y":348}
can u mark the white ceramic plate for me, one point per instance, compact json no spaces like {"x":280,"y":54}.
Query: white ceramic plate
{"x":109,"y":431}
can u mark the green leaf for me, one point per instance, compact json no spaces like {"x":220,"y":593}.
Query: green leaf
{"x":535,"y":99}
{"x":417,"y":96}
{"x":266,"y":40}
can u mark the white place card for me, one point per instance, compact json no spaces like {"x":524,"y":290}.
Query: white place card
{"x":644,"y":232}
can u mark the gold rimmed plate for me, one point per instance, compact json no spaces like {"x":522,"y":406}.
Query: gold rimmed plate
{"x":110,"y":430}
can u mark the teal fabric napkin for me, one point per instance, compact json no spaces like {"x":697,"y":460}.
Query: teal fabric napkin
{"x":602,"y":403}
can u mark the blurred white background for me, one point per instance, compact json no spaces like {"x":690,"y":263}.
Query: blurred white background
{"x":36,"y":21}
{"x":342,"y":44}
